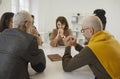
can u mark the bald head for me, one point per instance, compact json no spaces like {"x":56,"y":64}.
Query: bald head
{"x":94,"y":22}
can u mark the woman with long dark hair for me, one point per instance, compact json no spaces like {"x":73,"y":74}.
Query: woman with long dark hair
{"x":62,"y":30}
{"x":6,"y":21}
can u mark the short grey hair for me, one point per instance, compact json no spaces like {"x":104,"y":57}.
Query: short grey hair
{"x":20,"y":18}
{"x":95,"y":22}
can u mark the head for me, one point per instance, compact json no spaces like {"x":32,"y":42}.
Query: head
{"x":101,"y":14}
{"x":6,"y":21}
{"x":90,"y":26}
{"x":23,"y":21}
{"x":61,"y":23}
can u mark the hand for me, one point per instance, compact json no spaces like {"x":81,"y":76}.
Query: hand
{"x":29,"y":30}
{"x":73,"y":41}
{"x":34,"y":31}
{"x":39,"y":41}
{"x":70,"y":41}
{"x":61,"y":32}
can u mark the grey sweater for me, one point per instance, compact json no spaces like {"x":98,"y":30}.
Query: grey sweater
{"x":17,"y":49}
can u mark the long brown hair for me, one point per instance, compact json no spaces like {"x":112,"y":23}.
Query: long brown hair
{"x":62,"y":20}
{"x":5,"y":19}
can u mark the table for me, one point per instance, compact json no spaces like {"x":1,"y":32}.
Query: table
{"x":54,"y":69}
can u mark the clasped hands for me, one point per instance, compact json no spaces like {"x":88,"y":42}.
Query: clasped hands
{"x":33,"y":31}
{"x":61,"y":32}
{"x":70,"y":41}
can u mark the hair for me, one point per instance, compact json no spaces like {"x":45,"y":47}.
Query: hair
{"x":101,"y":14}
{"x":33,"y":16}
{"x":33,"y":19}
{"x":95,"y":22}
{"x":5,"y":19}
{"x":62,"y":20}
{"x":20,"y":18}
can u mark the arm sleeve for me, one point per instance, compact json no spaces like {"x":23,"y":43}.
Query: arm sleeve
{"x":37,"y":57}
{"x":53,"y":41}
{"x":70,"y":63}
{"x":78,"y":47}
{"x":70,"y":32}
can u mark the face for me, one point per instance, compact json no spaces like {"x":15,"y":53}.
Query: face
{"x":28,"y":25}
{"x":60,"y":26}
{"x":87,"y":32}
{"x":11,"y":23}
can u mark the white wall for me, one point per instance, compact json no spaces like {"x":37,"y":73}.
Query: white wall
{"x":5,"y":6}
{"x":49,"y":10}
{"x":46,"y":12}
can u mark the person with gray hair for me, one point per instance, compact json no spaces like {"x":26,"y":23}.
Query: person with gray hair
{"x":101,"y":54}
{"x":18,"y":47}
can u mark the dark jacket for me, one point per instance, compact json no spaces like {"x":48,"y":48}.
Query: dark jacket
{"x":85,"y":57}
{"x":17,"y":49}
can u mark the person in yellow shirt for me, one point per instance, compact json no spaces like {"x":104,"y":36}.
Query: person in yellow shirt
{"x":101,"y":14}
{"x":101,"y":53}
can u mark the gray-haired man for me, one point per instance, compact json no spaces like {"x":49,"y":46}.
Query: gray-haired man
{"x":18,"y":47}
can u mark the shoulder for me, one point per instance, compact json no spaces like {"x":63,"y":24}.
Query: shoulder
{"x":88,"y":52}
{"x":22,"y":35}
{"x":54,"y":30}
{"x":68,"y":31}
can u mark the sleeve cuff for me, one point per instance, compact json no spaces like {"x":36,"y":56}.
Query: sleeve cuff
{"x":78,"y":47}
{"x":67,"y":50}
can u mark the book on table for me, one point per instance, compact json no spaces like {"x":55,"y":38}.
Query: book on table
{"x":54,"y":57}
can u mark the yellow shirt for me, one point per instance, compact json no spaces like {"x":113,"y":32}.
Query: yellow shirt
{"x":107,"y":50}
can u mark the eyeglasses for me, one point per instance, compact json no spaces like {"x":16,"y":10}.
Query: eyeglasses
{"x":83,"y":30}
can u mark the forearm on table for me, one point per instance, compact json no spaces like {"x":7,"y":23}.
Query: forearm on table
{"x":71,"y":63}
{"x":39,"y":67}
{"x":66,"y":57}
{"x":54,"y":42}
{"x":38,"y":62}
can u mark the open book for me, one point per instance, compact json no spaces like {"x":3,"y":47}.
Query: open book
{"x":54,"y":57}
